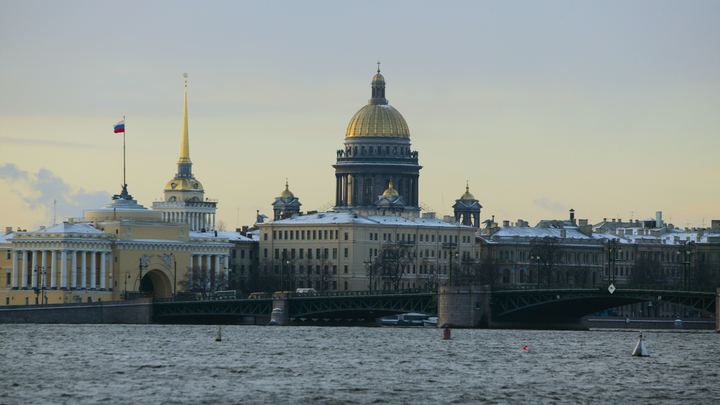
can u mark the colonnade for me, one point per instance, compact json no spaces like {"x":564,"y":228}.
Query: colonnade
{"x":206,"y":260}
{"x":29,"y":273}
{"x":364,"y":189}
{"x":196,"y":220}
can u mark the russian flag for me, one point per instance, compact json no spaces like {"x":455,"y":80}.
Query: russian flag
{"x":120,"y":127}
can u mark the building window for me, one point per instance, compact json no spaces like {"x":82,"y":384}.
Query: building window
{"x":325,"y":251}
{"x":334,"y":253}
{"x":291,"y":235}
{"x":9,"y":281}
{"x":292,"y":253}
{"x":346,"y":270}
{"x":266,"y":253}
{"x":302,"y":253}
{"x":277,"y":253}
{"x":334,"y":269}
{"x":265,"y":236}
{"x":242,"y":268}
{"x":302,"y":235}
{"x":346,"y":236}
{"x":334,"y":285}
{"x":309,"y":254}
{"x":314,"y":234}
{"x":432,"y":238}
{"x":346,"y":286}
{"x":297,"y":235}
{"x":346,"y":252}
{"x":318,"y":254}
{"x":326,"y":234}
{"x":242,"y":254}
{"x":234,"y":253}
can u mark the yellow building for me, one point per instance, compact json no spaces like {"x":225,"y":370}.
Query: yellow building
{"x":120,"y":250}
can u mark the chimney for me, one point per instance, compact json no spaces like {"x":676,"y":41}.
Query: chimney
{"x":583,"y":222}
{"x":621,"y":233}
{"x":572,"y":216}
{"x":506,"y":223}
{"x":563,"y":233}
{"x":71,"y":221}
{"x":42,"y":227}
{"x":658,"y":219}
{"x":8,"y":229}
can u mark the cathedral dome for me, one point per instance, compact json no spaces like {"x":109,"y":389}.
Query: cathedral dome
{"x":286,"y":192}
{"x":390,"y":190}
{"x":378,"y":120}
{"x":467,"y":195}
{"x":184,"y":184}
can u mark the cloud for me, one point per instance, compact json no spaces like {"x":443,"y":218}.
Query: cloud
{"x":545,"y":204}
{"x":40,"y":190}
{"x":47,"y":142}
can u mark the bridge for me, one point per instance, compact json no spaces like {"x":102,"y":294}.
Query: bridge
{"x":484,"y":306}
{"x":564,"y":303}
{"x":344,"y":307}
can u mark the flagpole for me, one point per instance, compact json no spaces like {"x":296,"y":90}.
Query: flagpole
{"x":124,"y":180}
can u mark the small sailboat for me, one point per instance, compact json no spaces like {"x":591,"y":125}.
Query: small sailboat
{"x":640,"y":349}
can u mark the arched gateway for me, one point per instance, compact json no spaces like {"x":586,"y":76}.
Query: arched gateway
{"x":156,"y":283}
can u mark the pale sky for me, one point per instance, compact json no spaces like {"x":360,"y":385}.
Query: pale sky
{"x":610,"y":108}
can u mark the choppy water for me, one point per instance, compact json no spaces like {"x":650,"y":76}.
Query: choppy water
{"x":168,"y":364}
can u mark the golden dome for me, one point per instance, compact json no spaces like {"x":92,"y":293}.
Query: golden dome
{"x":184,"y":184}
{"x":286,"y":192}
{"x":390,"y":190}
{"x":467,"y":195}
{"x":378,"y":78}
{"x":378,"y":120}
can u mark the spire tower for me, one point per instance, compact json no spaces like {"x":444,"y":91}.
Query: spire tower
{"x":185,"y":164}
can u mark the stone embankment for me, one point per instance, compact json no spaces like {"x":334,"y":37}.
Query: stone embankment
{"x":138,"y":311}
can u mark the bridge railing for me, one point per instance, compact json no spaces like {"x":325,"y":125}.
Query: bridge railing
{"x":515,"y":287}
{"x":190,"y":298}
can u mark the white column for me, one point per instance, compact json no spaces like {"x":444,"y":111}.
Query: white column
{"x":208,"y":264}
{"x":23,"y":273}
{"x":44,"y":282}
{"x":63,"y":269}
{"x":93,"y":266}
{"x":16,"y":270}
{"x":35,"y":274}
{"x":217,"y":269}
{"x":213,"y":221}
{"x":53,"y":276}
{"x":102,"y":270}
{"x":73,"y":274}
{"x":83,"y":270}
{"x":226,"y":262}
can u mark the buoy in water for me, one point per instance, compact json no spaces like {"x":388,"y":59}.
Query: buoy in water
{"x":524,"y":347}
{"x":217,"y":337}
{"x":640,"y":349}
{"x":446,"y":333}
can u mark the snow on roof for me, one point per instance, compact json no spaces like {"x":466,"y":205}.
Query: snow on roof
{"x":528,"y":232}
{"x":230,"y":236}
{"x":66,"y":227}
{"x":6,"y":238}
{"x":637,"y":235}
{"x":339,"y":218}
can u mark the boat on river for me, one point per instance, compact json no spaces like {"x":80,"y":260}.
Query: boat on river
{"x":411,"y":319}
{"x":431,"y":322}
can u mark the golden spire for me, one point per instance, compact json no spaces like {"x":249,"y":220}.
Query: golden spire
{"x":287,"y":192}
{"x":185,"y":145}
{"x":467,"y":195}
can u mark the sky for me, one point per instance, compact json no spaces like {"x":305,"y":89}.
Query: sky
{"x":610,"y":108}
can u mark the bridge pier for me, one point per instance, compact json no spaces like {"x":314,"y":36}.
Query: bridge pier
{"x":464,"y":306}
{"x":281,"y":309}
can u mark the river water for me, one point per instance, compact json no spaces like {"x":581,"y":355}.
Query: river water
{"x":172,"y":364}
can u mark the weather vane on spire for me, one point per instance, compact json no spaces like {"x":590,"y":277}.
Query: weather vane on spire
{"x":378,"y":66}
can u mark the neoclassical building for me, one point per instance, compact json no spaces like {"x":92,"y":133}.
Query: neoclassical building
{"x":122,"y":247}
{"x":184,"y":199}
{"x":377,"y":152}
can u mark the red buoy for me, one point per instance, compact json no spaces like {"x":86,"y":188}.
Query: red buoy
{"x":446,"y":333}
{"x":524,"y":347}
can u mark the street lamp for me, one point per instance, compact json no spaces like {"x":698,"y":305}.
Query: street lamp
{"x":537,"y":271}
{"x":368,"y":271}
{"x":127,"y":273}
{"x":174,"y":276}
{"x":450,"y":272}
{"x":686,"y":250}
{"x":613,"y":250}
{"x":282,"y":275}
{"x":40,"y":291}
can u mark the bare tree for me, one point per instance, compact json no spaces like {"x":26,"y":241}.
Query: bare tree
{"x":203,"y":281}
{"x":486,"y":271}
{"x":648,"y":271}
{"x":221,"y":226}
{"x":547,"y":250}
{"x":391,"y":264}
